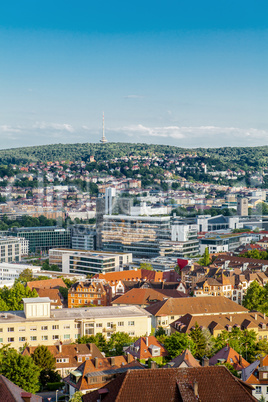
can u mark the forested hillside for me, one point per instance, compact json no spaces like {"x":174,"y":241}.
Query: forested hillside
{"x":244,"y":158}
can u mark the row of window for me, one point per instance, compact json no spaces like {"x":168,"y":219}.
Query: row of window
{"x":43,"y":338}
{"x":43,"y":328}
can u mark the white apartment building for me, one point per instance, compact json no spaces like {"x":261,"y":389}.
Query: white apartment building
{"x":9,"y":272}
{"x":88,"y":262}
{"x":38,"y":324}
{"x":10,"y":249}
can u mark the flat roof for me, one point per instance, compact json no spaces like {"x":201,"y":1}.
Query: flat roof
{"x":36,"y":300}
{"x":88,"y":313}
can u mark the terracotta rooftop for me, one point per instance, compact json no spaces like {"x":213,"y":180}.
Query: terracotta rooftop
{"x":9,"y":392}
{"x":221,"y":322}
{"x":71,"y":351}
{"x":231,"y":356}
{"x":185,"y":358}
{"x":47,"y":284}
{"x":174,"y":384}
{"x":53,"y":294}
{"x":147,"y":296}
{"x":195,"y":305}
{"x":141,"y":349}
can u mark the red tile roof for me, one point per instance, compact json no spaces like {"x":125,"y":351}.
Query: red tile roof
{"x":9,"y":392}
{"x":147,"y":296}
{"x":231,"y":356}
{"x":141,"y":349}
{"x":47,"y":284}
{"x":174,"y":384}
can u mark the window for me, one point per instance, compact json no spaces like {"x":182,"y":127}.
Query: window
{"x":258,"y":389}
{"x":131,"y":323}
{"x":67,"y":336}
{"x":99,"y":325}
{"x":10,"y":339}
{"x":33,"y":328}
{"x":131,"y":333}
{"x":79,"y":359}
{"x":55,"y":337}
{"x":44,"y":338}
{"x":44,"y":328}
{"x":66,"y":326}
{"x":1,"y":340}
{"x":1,"y":329}
{"x":63,"y":360}
{"x":76,"y":336}
{"x":121,"y":323}
{"x":22,"y":339}
{"x":10,"y":329}
{"x":77,"y":325}
{"x":55,"y":327}
{"x":33,"y":338}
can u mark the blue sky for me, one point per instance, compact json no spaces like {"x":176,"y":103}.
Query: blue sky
{"x":182,"y":73}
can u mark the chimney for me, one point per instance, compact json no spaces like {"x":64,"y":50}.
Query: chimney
{"x":205,"y":361}
{"x":196,"y":389}
{"x":26,"y":396}
{"x":112,"y":361}
{"x":96,"y":362}
{"x":264,"y":316}
{"x":231,"y":318}
{"x":240,"y":360}
{"x":129,"y":358}
{"x":147,"y":341}
{"x":60,"y":347}
{"x":256,"y":316}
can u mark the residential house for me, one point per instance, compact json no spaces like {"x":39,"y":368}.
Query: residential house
{"x":185,"y":359}
{"x":257,"y":376}
{"x":69,"y":357}
{"x":188,"y":384}
{"x":216,"y":323}
{"x":229,"y":355}
{"x":146,"y":297}
{"x":94,"y":373}
{"x":147,"y":347}
{"x":91,"y":292}
{"x":166,"y":312}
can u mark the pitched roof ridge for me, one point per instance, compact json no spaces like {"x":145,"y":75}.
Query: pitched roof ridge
{"x":122,"y":384}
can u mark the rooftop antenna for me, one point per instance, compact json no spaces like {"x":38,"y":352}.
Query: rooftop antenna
{"x":103,"y":140}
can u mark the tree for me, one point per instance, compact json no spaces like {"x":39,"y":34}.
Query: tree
{"x":77,"y":397}
{"x":43,"y":358}
{"x":205,"y":260}
{"x":256,"y":297}
{"x":25,"y":276}
{"x":19,"y":369}
{"x":98,"y":339}
{"x":199,"y":339}
{"x":145,"y":265}
{"x":117,"y":341}
{"x":177,"y":342}
{"x":230,"y":368}
{"x":13,"y":297}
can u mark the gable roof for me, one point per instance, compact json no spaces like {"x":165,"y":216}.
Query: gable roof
{"x":146,"y":296}
{"x":185,"y":357}
{"x":140,"y":350}
{"x":172,"y":385}
{"x":9,"y":392}
{"x":47,"y":284}
{"x":231,"y":356}
{"x":195,"y":306}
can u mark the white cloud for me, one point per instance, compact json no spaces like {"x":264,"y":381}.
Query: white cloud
{"x":9,"y":129}
{"x":54,"y":126}
{"x":200,"y":135}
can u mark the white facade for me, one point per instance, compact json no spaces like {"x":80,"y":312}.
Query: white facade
{"x":110,"y":194}
{"x":9,"y":272}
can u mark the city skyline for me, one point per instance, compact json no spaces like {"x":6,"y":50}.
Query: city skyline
{"x":189,"y":75}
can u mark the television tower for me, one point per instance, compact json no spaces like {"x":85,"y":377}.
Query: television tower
{"x":103,"y":140}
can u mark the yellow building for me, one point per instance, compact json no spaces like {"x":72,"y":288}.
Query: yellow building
{"x":38,"y":324}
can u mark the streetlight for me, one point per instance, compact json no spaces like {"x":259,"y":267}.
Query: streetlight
{"x":57,"y":395}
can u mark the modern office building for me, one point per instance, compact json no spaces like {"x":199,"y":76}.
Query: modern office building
{"x":83,"y":237}
{"x":225,"y":242}
{"x":139,"y":235}
{"x":88,"y":262}
{"x":10,"y":272}
{"x":44,"y":237}
{"x":38,"y":324}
